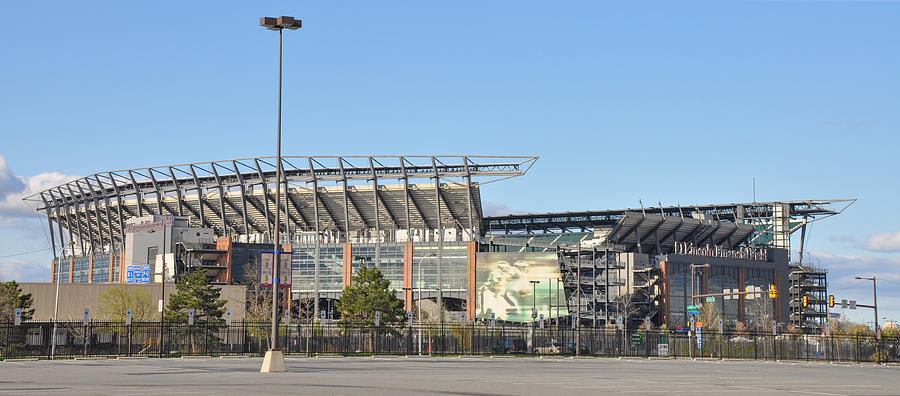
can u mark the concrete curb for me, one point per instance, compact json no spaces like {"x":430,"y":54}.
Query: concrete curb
{"x":22,"y":360}
{"x":470,"y":357}
{"x":502,"y":357}
{"x":132,"y":358}
{"x":388,"y":357}
{"x":92,"y":358}
{"x":329,"y":357}
{"x":197,"y":357}
{"x":234,"y":357}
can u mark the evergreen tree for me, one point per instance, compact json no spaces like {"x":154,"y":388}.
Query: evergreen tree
{"x":193,"y":291}
{"x":11,"y":297}
{"x":368,"y":292}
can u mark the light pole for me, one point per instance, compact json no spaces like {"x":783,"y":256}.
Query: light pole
{"x":533,"y":310}
{"x":274,"y":360}
{"x":56,"y":307}
{"x":419,"y":306}
{"x":874,"y":307}
{"x":162,"y":297}
{"x":692,"y":330}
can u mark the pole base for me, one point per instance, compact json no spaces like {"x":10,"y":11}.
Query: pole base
{"x":273,"y":363}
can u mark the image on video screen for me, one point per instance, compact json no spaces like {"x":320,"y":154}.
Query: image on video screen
{"x":503,"y":287}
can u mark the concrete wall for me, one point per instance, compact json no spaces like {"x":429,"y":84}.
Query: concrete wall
{"x":75,"y":297}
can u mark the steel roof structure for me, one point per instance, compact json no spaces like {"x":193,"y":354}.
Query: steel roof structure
{"x":726,"y":225}
{"x":237,"y":196}
{"x":555,"y":222}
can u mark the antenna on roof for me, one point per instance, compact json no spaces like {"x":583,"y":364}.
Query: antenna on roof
{"x":754,"y":190}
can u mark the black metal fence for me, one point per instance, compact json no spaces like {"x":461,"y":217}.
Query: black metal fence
{"x":75,"y":339}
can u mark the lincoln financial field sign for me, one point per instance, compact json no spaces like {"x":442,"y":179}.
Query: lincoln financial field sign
{"x":503,"y":282}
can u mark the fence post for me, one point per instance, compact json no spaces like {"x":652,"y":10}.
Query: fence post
{"x":128,"y":337}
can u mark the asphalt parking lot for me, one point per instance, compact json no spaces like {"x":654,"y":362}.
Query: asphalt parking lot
{"x":453,"y":376}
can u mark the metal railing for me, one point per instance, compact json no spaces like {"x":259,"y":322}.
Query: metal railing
{"x":215,"y":338}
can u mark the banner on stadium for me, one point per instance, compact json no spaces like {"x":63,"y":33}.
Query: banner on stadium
{"x":504,"y":289}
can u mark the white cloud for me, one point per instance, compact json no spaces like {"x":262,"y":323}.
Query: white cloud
{"x":884,"y":242}
{"x":13,"y":188}
{"x":24,"y":270}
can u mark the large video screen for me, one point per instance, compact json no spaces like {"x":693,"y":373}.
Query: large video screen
{"x":503,"y":286}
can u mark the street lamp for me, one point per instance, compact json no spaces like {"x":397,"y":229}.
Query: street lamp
{"x":874,"y":305}
{"x":419,"y":306}
{"x":534,"y":314}
{"x":692,"y":330}
{"x":62,"y":250}
{"x":162,"y":310}
{"x":274,"y":360}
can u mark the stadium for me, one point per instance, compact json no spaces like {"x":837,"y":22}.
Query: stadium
{"x":419,"y":219}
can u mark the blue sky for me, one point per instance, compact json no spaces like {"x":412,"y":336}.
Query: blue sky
{"x":674,"y":103}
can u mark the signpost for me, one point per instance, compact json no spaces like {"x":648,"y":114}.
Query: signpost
{"x":710,"y":299}
{"x":18,"y":316}
{"x":662,"y":345}
{"x":228,"y":318}
{"x":662,"y":350}
{"x":693,"y":310}
{"x":129,"y":274}
{"x":128,"y":316}
{"x":191,"y":316}
{"x":377,"y":318}
{"x":86,"y":316}
{"x":699,"y":335}
{"x":636,"y":340}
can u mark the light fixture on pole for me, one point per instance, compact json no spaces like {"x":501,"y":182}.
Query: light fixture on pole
{"x":162,"y":293}
{"x":58,"y":265}
{"x":874,"y":307}
{"x":693,"y":292}
{"x":274,"y":360}
{"x":418,"y":305}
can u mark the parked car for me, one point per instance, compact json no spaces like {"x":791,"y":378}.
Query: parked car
{"x":570,"y":349}
{"x":550,"y":348}
{"x":510,"y":345}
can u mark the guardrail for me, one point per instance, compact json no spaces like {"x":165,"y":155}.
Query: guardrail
{"x":150,"y":339}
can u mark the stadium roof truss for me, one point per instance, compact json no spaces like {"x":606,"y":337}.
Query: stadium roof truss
{"x":237,"y":196}
{"x":727,"y":225}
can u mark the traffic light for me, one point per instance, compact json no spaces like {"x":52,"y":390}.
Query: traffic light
{"x":805,"y":301}
{"x":772,"y":292}
{"x":831,"y":301}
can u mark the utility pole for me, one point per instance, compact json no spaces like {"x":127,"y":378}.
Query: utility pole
{"x":578,"y":309}
{"x":693,"y":291}
{"x":875,"y":308}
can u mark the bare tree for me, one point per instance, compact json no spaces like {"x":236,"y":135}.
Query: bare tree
{"x":710,"y":315}
{"x":759,"y":315}
{"x":257,"y":304}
